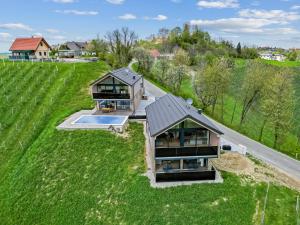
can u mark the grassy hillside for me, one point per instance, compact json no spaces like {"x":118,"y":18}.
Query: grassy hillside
{"x":94,"y":177}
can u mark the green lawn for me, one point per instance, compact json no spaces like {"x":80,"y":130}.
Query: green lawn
{"x":94,"y":177}
{"x":284,"y":63}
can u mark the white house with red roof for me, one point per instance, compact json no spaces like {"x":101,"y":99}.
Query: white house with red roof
{"x":30,"y":48}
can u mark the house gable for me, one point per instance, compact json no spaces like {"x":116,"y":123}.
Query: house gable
{"x":105,"y":77}
{"x":200,"y":124}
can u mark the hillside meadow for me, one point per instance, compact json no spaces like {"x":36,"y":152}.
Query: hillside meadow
{"x":95,"y":177}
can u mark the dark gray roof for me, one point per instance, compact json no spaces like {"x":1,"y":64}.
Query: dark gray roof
{"x":126,"y":75}
{"x":169,"y":110}
{"x":76,"y":46}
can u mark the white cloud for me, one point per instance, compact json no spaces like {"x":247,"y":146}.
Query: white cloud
{"x":52,"y":31}
{"x":176,"y":1}
{"x":232,"y":23}
{"x":160,"y":17}
{"x":295,"y":7}
{"x":277,"y":15}
{"x":116,"y":2}
{"x":245,"y":25}
{"x":4,"y":35}
{"x":63,"y":1}
{"x":219,"y":4}
{"x":78,"y":12}
{"x":15,"y":26}
{"x":127,"y":16}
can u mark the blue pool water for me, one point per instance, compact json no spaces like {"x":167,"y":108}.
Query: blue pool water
{"x":101,"y":120}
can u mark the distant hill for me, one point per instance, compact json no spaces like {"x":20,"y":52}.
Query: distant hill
{"x":3,"y":55}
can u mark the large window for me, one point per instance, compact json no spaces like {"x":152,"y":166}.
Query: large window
{"x":202,"y":137}
{"x":167,"y":165}
{"x":186,"y":134}
{"x":123,"y":105}
{"x":198,"y":164}
{"x":171,"y":138}
{"x":105,"y":88}
{"x":111,"y":85}
{"x":194,"y":164}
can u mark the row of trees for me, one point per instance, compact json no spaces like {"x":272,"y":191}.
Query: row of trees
{"x":116,"y":47}
{"x":264,"y":89}
{"x":168,"y":73}
{"x":212,"y":82}
{"x":196,"y":43}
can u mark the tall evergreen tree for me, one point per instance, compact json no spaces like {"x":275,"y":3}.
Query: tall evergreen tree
{"x":239,"y":49}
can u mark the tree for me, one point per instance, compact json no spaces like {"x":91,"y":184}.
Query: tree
{"x":120,"y":44}
{"x":257,"y":74}
{"x":212,"y":83}
{"x":239,"y":49}
{"x":144,"y":59}
{"x":174,"y":77}
{"x":163,"y":33}
{"x":98,"y":46}
{"x":279,"y":104}
{"x":174,"y":36}
{"x":181,"y":58}
{"x":160,"y":70}
{"x":249,"y":53}
{"x":292,"y":56}
{"x":186,"y":33}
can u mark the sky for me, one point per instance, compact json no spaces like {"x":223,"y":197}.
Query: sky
{"x":253,"y":23}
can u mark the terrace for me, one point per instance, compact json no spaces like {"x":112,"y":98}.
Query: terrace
{"x":180,"y":141}
{"x":111,"y":95}
{"x":184,"y":170}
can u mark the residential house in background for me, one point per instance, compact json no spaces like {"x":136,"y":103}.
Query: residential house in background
{"x":118,"y":90}
{"x":272,"y":56}
{"x":182,"y":141}
{"x":72,"y":49}
{"x":30,"y":48}
{"x":155,"y":54}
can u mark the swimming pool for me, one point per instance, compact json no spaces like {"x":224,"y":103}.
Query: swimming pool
{"x":101,"y":120}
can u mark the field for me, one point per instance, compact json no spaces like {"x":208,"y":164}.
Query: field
{"x":284,"y":64}
{"x":3,"y":55}
{"x":94,"y":177}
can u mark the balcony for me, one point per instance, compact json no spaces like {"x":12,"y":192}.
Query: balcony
{"x":186,"y":176}
{"x":110,"y":96}
{"x":186,"y":151}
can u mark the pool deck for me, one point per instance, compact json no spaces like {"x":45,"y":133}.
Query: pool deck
{"x":69,"y":124}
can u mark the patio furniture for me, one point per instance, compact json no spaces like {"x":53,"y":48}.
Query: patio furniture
{"x":107,"y":110}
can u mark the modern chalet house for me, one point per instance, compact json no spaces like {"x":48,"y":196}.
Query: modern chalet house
{"x":30,"y":48}
{"x":118,"y":90}
{"x":72,"y":49}
{"x":182,"y":141}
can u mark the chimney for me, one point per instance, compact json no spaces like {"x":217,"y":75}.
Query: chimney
{"x":189,"y":101}
{"x":133,"y":77}
{"x":200,"y":111}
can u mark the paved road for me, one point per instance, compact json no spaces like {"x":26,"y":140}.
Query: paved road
{"x":260,"y":151}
